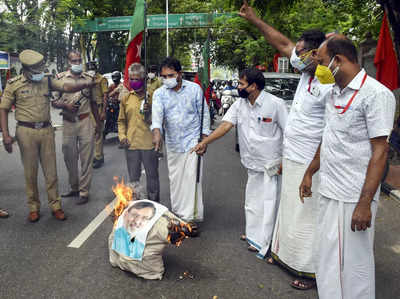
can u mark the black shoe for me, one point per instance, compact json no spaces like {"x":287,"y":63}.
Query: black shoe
{"x":98,"y":163}
{"x":82,"y":200}
{"x":70,"y":194}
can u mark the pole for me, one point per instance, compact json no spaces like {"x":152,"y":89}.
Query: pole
{"x":146,"y":114}
{"x":202,"y":112}
{"x":166,"y":15}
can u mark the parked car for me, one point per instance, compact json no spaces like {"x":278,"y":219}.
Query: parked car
{"x":282,"y":85}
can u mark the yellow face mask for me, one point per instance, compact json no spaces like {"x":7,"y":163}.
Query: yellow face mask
{"x":324,"y":73}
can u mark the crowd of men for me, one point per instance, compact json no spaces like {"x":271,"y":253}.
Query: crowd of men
{"x":313,"y":173}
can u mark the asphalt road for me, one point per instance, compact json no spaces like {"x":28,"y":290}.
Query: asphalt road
{"x":35,"y":261}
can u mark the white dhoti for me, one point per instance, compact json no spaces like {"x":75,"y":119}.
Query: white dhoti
{"x":261,"y":206}
{"x":186,"y":194}
{"x":345,"y":266}
{"x":293,"y":241}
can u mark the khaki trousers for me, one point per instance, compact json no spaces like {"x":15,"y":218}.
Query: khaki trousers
{"x":98,"y":153}
{"x":78,"y":144}
{"x":38,"y":145}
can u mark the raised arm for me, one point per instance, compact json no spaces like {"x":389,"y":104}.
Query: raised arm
{"x":272,"y":36}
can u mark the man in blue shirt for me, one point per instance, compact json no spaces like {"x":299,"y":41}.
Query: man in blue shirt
{"x":177,"y":110}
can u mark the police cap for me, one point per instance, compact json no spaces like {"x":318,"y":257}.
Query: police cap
{"x":31,"y":59}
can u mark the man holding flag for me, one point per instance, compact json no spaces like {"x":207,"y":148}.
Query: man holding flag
{"x":178,"y":105}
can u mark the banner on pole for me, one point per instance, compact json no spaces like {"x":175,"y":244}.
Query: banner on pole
{"x":4,"y":60}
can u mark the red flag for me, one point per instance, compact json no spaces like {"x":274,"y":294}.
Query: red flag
{"x":275,"y":61}
{"x":133,"y":50}
{"x":8,"y":75}
{"x":385,"y":58}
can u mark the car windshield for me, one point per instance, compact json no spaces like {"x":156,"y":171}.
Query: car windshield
{"x":283,"y":88}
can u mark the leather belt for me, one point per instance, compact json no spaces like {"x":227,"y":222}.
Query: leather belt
{"x":34,"y":125}
{"x":83,"y":116}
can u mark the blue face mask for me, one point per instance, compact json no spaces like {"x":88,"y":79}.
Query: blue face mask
{"x":37,"y":77}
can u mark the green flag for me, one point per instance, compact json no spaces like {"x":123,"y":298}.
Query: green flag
{"x":205,"y":68}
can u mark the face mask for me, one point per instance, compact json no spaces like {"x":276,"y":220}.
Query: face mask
{"x":37,"y":77}
{"x":324,"y":73}
{"x":136,"y":84}
{"x":116,"y":82}
{"x":77,"y":68}
{"x":170,"y":83}
{"x":301,"y":62}
{"x":243,"y":93}
{"x":151,"y":75}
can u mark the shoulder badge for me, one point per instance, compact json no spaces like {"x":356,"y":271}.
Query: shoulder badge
{"x":15,"y":79}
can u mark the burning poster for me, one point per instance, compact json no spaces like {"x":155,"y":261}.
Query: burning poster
{"x":133,"y":227}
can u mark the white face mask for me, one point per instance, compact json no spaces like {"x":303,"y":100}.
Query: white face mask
{"x":151,"y":75}
{"x":37,"y":77}
{"x":92,"y":73}
{"x":170,"y":83}
{"x":77,"y":68}
{"x":297,"y":62}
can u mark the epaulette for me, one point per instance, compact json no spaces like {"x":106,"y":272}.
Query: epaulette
{"x":88,"y":75}
{"x":15,"y":79}
{"x":60,"y":75}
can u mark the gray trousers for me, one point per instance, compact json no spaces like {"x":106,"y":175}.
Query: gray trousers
{"x":149,"y":158}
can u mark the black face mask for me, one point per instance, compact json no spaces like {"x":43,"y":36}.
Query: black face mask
{"x":243,"y":93}
{"x":116,"y":82}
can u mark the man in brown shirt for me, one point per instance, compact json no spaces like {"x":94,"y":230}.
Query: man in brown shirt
{"x":134,"y":133}
{"x":30,"y":92}
{"x":79,"y":130}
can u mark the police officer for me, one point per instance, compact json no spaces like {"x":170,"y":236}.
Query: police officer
{"x":79,"y":130}
{"x":100,"y":91}
{"x":30,"y":92}
{"x":153,"y":81}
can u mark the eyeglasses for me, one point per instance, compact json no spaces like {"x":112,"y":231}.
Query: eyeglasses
{"x":74,"y":61}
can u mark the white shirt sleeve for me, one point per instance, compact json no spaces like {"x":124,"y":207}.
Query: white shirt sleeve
{"x":232,"y":113}
{"x":157,"y":112}
{"x":379,"y":113}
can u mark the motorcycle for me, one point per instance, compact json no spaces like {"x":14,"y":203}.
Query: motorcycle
{"x":112,"y":112}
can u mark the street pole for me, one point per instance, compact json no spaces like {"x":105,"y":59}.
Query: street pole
{"x":146,"y":114}
{"x":166,"y":15}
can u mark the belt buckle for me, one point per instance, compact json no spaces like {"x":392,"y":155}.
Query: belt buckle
{"x":39,"y":125}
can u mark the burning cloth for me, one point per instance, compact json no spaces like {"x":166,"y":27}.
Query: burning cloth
{"x":140,"y":235}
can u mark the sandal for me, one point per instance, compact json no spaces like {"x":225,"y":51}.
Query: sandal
{"x":303,"y":285}
{"x":270,"y":260}
{"x":243,"y":237}
{"x":252,"y":248}
{"x":3,"y":213}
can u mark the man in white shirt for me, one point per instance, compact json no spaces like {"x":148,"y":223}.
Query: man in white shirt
{"x":353,"y":153}
{"x":260,"y":119}
{"x":293,"y":238}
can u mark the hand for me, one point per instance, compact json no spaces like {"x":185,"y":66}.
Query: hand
{"x":247,"y":12}
{"x":361,"y":218}
{"x":200,"y":148}
{"x":8,"y":141}
{"x":124,"y":142}
{"x":102,"y":116}
{"x":156,"y":139}
{"x":98,"y":128}
{"x":280,"y":170}
{"x":71,"y":107}
{"x":305,"y":187}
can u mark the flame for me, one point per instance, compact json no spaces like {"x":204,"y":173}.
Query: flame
{"x":180,"y":229}
{"x":124,"y":195}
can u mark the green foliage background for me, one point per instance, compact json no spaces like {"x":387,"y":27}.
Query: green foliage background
{"x":46,"y":26}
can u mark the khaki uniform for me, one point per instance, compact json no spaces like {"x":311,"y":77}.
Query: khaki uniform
{"x":152,"y":85}
{"x":78,"y":136}
{"x":36,"y":145}
{"x":99,"y":90}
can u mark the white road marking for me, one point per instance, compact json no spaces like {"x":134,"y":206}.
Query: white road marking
{"x":90,"y":229}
